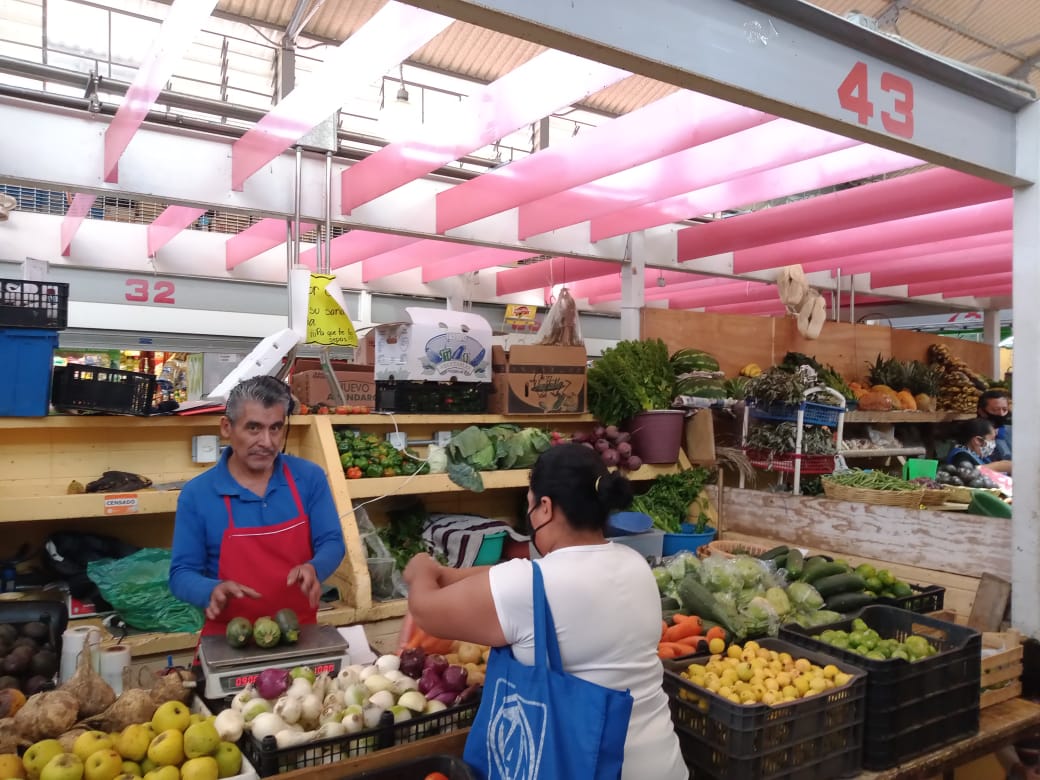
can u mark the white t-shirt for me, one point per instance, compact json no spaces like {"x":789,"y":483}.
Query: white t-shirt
{"x":607,"y":612}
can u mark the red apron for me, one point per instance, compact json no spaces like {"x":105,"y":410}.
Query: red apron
{"x":261,"y":558}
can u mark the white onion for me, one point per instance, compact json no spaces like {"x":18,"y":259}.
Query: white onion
{"x":267,"y":724}
{"x":376,"y":682}
{"x":356,"y":694}
{"x":367,"y":672}
{"x":389,"y":662}
{"x":322,"y":685}
{"x":346,"y":678}
{"x":403,"y":685}
{"x":289,"y":708}
{"x":311,"y":706}
{"x":334,"y":699}
{"x":254,"y":708}
{"x":382,"y":699}
{"x":229,"y":725}
{"x":301,"y":686}
{"x":434,"y":706}
{"x":246,"y":694}
{"x":289,"y":738}
{"x":393,"y":675}
{"x":328,"y":714}
{"x":371,"y":715}
{"x":331,"y":729}
{"x":413,"y":700}
{"x":353,"y":722}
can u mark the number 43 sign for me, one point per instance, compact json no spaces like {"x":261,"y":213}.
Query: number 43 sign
{"x":896,"y":100}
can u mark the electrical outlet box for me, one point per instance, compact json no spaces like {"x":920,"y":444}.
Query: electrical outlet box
{"x":205,"y":449}
{"x":441,"y":438}
{"x":399,"y":439}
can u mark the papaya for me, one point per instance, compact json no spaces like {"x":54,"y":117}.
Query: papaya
{"x":906,"y":401}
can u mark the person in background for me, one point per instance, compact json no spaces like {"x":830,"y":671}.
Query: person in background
{"x":259,"y":531}
{"x":977,"y":446}
{"x":602,"y":595}
{"x":995,"y":406}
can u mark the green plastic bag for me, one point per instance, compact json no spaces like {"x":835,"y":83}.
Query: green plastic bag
{"x":138,"y":588}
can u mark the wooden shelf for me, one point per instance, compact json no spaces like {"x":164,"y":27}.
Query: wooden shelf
{"x":435,"y":420}
{"x":108,"y":421}
{"x":883,"y":453}
{"x":17,"y":509}
{"x":373,"y":487}
{"x":905,"y":417}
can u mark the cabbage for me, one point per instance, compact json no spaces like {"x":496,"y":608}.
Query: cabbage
{"x":664,"y":580}
{"x":750,"y":570}
{"x":720,"y":576}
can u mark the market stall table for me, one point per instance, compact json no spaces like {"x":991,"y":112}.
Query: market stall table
{"x":999,"y":725}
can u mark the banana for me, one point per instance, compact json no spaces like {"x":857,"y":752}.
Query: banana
{"x":751,"y":370}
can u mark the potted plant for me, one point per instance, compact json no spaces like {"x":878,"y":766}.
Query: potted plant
{"x":633,"y":385}
{"x":677,"y":505}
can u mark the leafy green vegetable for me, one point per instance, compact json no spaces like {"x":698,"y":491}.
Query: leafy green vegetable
{"x":632,"y":377}
{"x":668,"y":500}
{"x":465,"y":476}
{"x":474,"y":449}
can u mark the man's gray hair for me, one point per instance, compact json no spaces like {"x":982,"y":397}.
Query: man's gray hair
{"x":265,"y":390}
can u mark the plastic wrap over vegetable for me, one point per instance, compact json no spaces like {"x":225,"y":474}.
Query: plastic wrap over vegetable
{"x":760,"y":618}
{"x":804,"y":597}
{"x":673,"y":569}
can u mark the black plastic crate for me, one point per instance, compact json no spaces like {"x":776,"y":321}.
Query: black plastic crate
{"x":89,"y":388}
{"x":269,"y":760}
{"x":432,"y":397}
{"x":821,"y":736}
{"x":454,"y":768}
{"x":912,"y":708}
{"x":924,"y":599}
{"x":25,"y":304}
{"x":52,"y":614}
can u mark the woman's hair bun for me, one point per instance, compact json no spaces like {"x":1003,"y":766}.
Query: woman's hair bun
{"x":614,"y":491}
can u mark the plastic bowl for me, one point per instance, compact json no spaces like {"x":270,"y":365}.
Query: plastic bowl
{"x":625,"y":523}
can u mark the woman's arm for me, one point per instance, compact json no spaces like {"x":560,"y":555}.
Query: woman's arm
{"x":1003,"y":466}
{"x":452,"y":603}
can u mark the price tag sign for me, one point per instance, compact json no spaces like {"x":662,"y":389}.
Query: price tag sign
{"x":327,"y":320}
{"x":121,"y":504}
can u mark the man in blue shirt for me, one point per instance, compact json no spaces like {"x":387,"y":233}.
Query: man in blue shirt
{"x":259,"y":531}
{"x":995,"y":406}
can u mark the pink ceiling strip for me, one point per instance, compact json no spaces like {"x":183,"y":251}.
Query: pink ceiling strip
{"x":938,"y":226}
{"x":937,"y":189}
{"x":471,"y":261}
{"x":677,"y":122}
{"x":395,"y":32}
{"x":610,"y":284}
{"x":655,"y":292}
{"x":183,"y":21}
{"x":740,"y":292}
{"x":355,"y":246}
{"x":761,"y":308}
{"x":754,"y":150}
{"x":919,"y":272}
{"x":78,"y":210}
{"x":871,"y":261}
{"x":524,"y":95}
{"x":257,"y":239}
{"x":998,"y":291}
{"x":172,"y":221}
{"x":556,"y":270}
{"x":964,"y":284}
{"x":412,"y":256}
{"x":857,"y":162}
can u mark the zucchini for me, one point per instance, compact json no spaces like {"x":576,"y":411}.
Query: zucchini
{"x":776,"y":552}
{"x":667,"y":602}
{"x":818,"y":568}
{"x":848,"y":602}
{"x":839,"y":583}
{"x":795,"y":563}
{"x":697,"y":600}
{"x":780,"y":562}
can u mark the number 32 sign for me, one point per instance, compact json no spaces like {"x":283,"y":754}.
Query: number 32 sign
{"x":140,"y":291}
{"x":897,"y":114}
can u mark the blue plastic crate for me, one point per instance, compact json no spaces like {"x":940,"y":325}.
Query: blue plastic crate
{"x":815,"y":414}
{"x":27,"y":355}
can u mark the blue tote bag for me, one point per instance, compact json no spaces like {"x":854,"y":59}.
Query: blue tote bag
{"x":539,"y":722}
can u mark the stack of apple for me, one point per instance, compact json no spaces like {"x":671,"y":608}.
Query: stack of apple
{"x":296,"y":708}
{"x":175,"y":745}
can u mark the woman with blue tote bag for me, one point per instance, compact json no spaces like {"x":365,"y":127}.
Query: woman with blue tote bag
{"x":573,"y":686}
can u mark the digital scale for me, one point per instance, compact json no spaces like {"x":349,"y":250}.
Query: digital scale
{"x":227,"y":670}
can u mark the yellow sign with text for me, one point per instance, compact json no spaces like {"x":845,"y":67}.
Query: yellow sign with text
{"x":327,"y":320}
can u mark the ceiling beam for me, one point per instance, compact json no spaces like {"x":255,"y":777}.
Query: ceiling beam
{"x":78,"y":210}
{"x":172,"y":221}
{"x":258,"y":238}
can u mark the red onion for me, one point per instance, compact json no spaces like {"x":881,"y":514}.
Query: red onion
{"x":599,"y":431}
{"x":602,"y":445}
{"x":429,"y":680}
{"x":412,"y":660}
{"x":611,"y":432}
{"x":272,"y":683}
{"x":437,"y":662}
{"x":610,"y":457}
{"x":454,"y":678}
{"x":469,"y":693}
{"x":633,"y":462}
{"x":446,"y":697}
{"x":624,"y":449}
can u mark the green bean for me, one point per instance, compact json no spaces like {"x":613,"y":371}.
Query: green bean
{"x":872,"y":480}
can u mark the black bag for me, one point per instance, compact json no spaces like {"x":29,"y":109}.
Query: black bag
{"x":67,"y":553}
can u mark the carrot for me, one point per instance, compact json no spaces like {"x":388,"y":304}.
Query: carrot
{"x":716,"y":632}
{"x":675,"y":648}
{"x":664,"y":628}
{"x":683,"y":630}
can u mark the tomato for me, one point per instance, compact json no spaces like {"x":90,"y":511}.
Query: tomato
{"x":436,"y":776}
{"x":354,"y":473}
{"x":304,"y":409}
{"x":342,"y":410}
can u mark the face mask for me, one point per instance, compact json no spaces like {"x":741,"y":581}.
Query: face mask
{"x":534,"y":531}
{"x":999,"y":420}
{"x":987,"y":448}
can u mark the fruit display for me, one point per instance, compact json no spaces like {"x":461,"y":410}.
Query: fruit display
{"x":964,"y":475}
{"x":895,"y":385}
{"x":688,"y":634}
{"x":959,"y":386}
{"x":174,"y":744}
{"x":366,"y":455}
{"x":613,"y":445}
{"x":865,"y":641}
{"x":750,"y":675}
{"x":324,"y":408}
{"x":28,"y":659}
{"x":296,"y":707}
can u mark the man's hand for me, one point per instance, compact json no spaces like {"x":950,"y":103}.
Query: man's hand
{"x":419,"y":567}
{"x":308,"y":579}
{"x":224,"y":591}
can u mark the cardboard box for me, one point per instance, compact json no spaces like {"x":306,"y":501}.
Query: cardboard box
{"x":358,"y":383}
{"x":436,"y":346}
{"x":538,"y":380}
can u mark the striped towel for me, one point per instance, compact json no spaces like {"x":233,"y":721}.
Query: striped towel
{"x":458,"y":537}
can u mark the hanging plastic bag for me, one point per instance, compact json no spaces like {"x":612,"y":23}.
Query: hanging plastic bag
{"x":560,"y":328}
{"x":138,"y":588}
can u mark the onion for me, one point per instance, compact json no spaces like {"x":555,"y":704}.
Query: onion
{"x":322,"y":685}
{"x":412,"y":661}
{"x":430,"y":679}
{"x":389,"y":662}
{"x":454,"y":678}
{"x":382,"y":699}
{"x":448,"y":697}
{"x":437,"y":662}
{"x":267,"y":724}
{"x":367,"y":672}
{"x":330,"y":729}
{"x":334,"y":699}
{"x":289,"y":708}
{"x":289,"y":738}
{"x":624,"y":449}
{"x":353,"y":722}
{"x":346,"y":678}
{"x":401,"y":714}
{"x":310,"y":708}
{"x":394,"y":675}
{"x":602,"y":445}
{"x":610,"y":457}
{"x":413,"y":700}
{"x":377,"y":682}
{"x":403,"y":685}
{"x":611,"y":432}
{"x":356,"y":694}
{"x":468,"y":694}
{"x":229,"y":725}
{"x":300,"y":687}
{"x":272,"y":683}
{"x":371,"y":715}
{"x":243,"y":696}
{"x":330,"y":713}
{"x":634,"y":462}
{"x":255,"y":708}
{"x":433,"y":705}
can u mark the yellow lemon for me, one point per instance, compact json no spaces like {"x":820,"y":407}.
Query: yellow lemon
{"x":733,"y":651}
{"x":716,"y":645}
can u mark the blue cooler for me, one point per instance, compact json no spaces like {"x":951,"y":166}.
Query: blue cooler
{"x":27,"y":356}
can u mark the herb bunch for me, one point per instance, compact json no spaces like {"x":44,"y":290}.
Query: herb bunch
{"x":669,"y":498}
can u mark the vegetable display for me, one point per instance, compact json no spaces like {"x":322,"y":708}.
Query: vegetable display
{"x":965,"y":475}
{"x":749,"y":675}
{"x":780,"y":438}
{"x":474,"y":449}
{"x":670,"y":496}
{"x":614,"y":446}
{"x":28,"y":659}
{"x":870,"y":480}
{"x":366,"y":455}
{"x":865,"y":641}
{"x":266,"y":632}
{"x":629,"y":378}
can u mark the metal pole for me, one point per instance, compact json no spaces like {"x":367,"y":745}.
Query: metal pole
{"x":852,"y":299}
{"x":296,"y":206}
{"x":327,"y":267}
{"x":837,"y":294}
